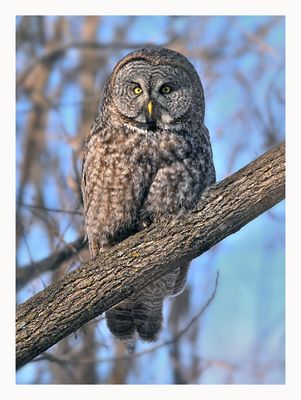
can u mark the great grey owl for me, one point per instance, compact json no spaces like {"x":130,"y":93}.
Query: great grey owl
{"x":148,"y":154}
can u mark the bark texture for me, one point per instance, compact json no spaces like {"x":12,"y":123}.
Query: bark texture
{"x":99,"y":284}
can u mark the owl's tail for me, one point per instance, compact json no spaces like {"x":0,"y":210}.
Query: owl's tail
{"x":120,"y":321}
{"x":144,"y":313}
{"x":148,"y":318}
{"x":148,"y":308}
{"x":143,"y":316}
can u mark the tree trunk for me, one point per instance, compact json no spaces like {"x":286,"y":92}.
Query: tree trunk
{"x":99,"y":284}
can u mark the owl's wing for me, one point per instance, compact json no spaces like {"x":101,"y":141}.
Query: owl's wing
{"x":181,"y":279}
{"x":207,"y":165}
{"x":92,"y":170}
{"x":87,"y":166}
{"x":89,"y":153}
{"x":113,"y":189}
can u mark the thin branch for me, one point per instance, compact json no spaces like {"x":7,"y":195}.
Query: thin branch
{"x":50,"y":263}
{"x":49,"y":209}
{"x":57,"y":52}
{"x":130,"y":266}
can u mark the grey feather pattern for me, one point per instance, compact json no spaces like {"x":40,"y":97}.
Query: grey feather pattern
{"x":141,"y":163}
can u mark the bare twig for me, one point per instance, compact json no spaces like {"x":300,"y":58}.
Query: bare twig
{"x":50,"y":263}
{"x":49,"y":209}
{"x":53,"y":54}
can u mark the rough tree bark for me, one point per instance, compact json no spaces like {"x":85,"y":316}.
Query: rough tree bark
{"x":99,"y":284}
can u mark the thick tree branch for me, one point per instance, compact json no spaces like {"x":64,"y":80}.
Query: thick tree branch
{"x":172,"y":340}
{"x":99,"y":284}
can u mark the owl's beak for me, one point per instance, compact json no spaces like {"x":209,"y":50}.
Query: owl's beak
{"x":151,"y":115}
{"x":150,"y":108}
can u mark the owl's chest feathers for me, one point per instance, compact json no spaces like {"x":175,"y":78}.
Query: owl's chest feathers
{"x":146,"y":148}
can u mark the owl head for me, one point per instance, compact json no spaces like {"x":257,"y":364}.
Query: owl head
{"x":156,"y":88}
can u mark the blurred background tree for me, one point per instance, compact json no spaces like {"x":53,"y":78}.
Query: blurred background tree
{"x":62,"y":65}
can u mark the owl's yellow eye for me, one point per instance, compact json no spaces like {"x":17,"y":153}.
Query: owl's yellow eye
{"x":137,"y":90}
{"x":165,"y":89}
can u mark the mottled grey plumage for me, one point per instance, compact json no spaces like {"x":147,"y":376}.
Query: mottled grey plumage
{"x":148,"y":154}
